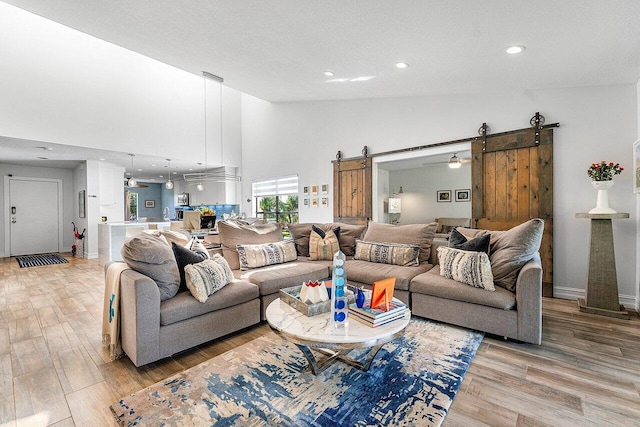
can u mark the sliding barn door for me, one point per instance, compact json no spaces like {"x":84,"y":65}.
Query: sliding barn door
{"x":352,"y":198}
{"x":512,"y":177}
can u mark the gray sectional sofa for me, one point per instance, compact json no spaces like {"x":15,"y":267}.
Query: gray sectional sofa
{"x":154,"y":329}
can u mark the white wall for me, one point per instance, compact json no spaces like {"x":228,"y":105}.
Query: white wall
{"x":70,"y":88}
{"x":596,"y":123}
{"x":68,"y":197}
{"x":419,"y":186}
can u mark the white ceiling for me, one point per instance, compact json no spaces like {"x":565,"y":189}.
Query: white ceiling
{"x":277,"y":50}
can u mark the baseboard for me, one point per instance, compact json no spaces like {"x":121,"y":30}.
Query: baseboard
{"x":2,"y":255}
{"x":629,"y":301}
{"x":92,"y":255}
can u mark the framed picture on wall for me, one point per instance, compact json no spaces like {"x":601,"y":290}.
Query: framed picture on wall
{"x":325,"y":188}
{"x":305,"y":190}
{"x":314,"y":190}
{"x":149,"y":203}
{"x":305,"y":202}
{"x":636,"y":166}
{"x":443,"y":196}
{"x":324,"y":202}
{"x":314,"y":202}
{"x":463,"y":195}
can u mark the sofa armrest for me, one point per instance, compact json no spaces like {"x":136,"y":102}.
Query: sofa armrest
{"x":139,"y":317}
{"x":529,"y":301}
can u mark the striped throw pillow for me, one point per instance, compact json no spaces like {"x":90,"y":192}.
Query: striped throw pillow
{"x":471,"y":268}
{"x":388,"y":253}
{"x":254,"y":256}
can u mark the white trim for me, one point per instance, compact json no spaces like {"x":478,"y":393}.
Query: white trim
{"x":629,"y":301}
{"x":7,"y":207}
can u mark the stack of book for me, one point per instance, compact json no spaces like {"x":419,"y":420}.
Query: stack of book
{"x":378,"y":316}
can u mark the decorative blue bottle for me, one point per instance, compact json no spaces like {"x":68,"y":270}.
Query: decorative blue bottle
{"x":339,"y":299}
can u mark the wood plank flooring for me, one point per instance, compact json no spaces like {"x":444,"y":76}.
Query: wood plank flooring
{"x":54,"y":370}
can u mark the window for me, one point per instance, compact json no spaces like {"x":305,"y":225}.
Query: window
{"x":276,"y":200}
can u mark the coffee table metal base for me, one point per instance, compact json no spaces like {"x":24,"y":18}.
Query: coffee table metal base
{"x":319,"y":365}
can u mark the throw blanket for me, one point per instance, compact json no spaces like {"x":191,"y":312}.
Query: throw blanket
{"x":111,"y":312}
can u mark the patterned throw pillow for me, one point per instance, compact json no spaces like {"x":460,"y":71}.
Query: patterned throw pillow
{"x":254,"y":256}
{"x":207,"y":277}
{"x":323,"y":245}
{"x":388,"y":253}
{"x":471,"y":268}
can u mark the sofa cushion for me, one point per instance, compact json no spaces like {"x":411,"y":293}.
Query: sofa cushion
{"x":479,"y":244}
{"x":207,"y":277}
{"x":469,"y":267}
{"x":432,"y":283}
{"x":185,"y":257}
{"x":234,"y":233}
{"x":151,"y":255}
{"x":412,"y":234}
{"x":348,"y":235}
{"x":275,"y":277}
{"x":368,"y":272}
{"x":387,"y":253}
{"x":323,"y":246}
{"x":255,"y":256}
{"x":195,"y":245}
{"x":184,"y":306}
{"x":510,"y":249}
{"x":180,"y":237}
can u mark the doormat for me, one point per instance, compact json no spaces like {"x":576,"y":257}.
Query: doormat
{"x":266,"y":382}
{"x":36,"y":260}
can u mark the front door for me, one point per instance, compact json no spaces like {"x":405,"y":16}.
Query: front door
{"x":34,"y":217}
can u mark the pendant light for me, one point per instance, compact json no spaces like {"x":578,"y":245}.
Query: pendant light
{"x":200,"y":187}
{"x":169,"y":184}
{"x":455,"y":162}
{"x":132,"y":182}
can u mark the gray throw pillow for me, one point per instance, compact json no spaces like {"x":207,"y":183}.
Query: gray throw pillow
{"x":510,"y":250}
{"x":152,"y":256}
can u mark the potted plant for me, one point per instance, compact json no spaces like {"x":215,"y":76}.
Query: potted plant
{"x":601,"y":175}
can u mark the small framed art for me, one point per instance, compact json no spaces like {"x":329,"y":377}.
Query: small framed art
{"x":314,"y":190}
{"x":324,"y":188}
{"x":149,"y":203}
{"x":305,"y":190}
{"x":305,"y":202}
{"x":443,"y":196}
{"x":463,"y":195}
{"x":314,"y":202}
{"x":324,"y":202}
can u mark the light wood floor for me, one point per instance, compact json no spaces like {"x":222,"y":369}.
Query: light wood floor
{"x":54,"y":370}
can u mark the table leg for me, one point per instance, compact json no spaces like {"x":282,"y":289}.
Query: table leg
{"x":320,"y":365}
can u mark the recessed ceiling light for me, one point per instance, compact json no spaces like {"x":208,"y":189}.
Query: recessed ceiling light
{"x":139,"y":170}
{"x":102,"y":160}
{"x":153,"y":165}
{"x":175,"y":173}
{"x":160,"y":176}
{"x":336,"y":80}
{"x":43,"y":158}
{"x":515,"y":49}
{"x":402,"y":65}
{"x":46,"y":148}
{"x":190,"y":169}
{"x":329,"y":73}
{"x":362,"y":78}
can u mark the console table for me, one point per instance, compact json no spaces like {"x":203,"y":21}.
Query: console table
{"x":602,"y":289}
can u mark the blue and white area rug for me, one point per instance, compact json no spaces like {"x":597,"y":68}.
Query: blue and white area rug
{"x":412,"y":382}
{"x":37,"y":260}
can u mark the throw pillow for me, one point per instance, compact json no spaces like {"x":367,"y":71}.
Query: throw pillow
{"x":152,"y":256}
{"x":322,"y":233}
{"x":323,"y":246}
{"x":479,"y":244}
{"x":206,"y":277}
{"x":254,"y":256}
{"x":185,"y":257}
{"x":411,"y":234}
{"x":195,"y":245}
{"x":388,"y":253}
{"x":471,"y":268}
{"x":510,"y":249}
{"x":349,"y":233}
{"x":234,"y":233}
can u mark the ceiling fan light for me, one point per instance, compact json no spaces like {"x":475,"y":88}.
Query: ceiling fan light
{"x":455,"y":162}
{"x":168,"y":185}
{"x":200,"y":187}
{"x":132,"y":182}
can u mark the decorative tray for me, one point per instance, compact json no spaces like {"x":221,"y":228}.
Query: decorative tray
{"x":291,"y":296}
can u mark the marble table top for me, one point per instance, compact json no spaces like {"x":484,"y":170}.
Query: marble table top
{"x":317,"y":329}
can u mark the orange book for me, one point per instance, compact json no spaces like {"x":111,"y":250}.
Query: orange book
{"x":382,"y":292}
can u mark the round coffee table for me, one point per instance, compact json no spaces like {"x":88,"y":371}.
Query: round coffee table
{"x":315,"y":334}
